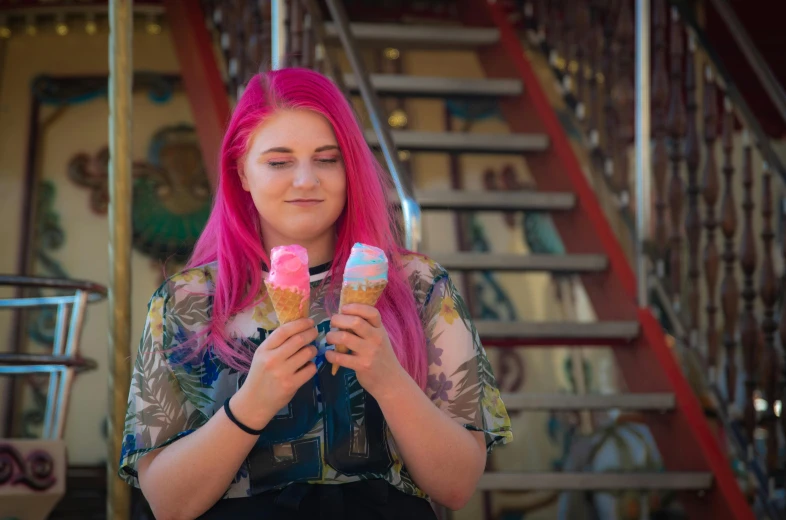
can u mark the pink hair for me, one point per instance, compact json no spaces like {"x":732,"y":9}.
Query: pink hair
{"x":232,"y":236}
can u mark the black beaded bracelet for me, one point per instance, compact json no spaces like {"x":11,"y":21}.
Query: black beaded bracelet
{"x":239,"y":424}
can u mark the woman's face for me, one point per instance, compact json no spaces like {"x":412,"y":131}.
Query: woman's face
{"x":295,"y":175}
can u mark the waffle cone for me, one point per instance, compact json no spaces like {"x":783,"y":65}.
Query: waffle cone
{"x":367,"y":294}
{"x":289,"y":305}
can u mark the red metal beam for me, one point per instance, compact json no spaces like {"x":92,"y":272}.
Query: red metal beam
{"x":201,"y":78}
{"x":684,"y":438}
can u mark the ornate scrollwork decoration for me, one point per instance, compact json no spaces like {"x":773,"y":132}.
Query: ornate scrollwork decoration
{"x":36,"y":471}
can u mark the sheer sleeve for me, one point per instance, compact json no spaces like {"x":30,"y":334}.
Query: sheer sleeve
{"x":159,"y":411}
{"x":461,"y":381}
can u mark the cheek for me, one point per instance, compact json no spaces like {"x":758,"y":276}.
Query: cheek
{"x":336,"y":185}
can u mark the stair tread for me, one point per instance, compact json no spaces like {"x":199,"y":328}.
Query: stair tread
{"x":673,"y":480}
{"x":471,"y":261}
{"x":419,"y":35}
{"x":619,"y":330}
{"x":495,"y":200}
{"x":557,"y":401}
{"x":464,"y":142}
{"x":438,"y":86}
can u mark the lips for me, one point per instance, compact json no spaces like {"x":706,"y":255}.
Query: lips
{"x":304,"y":202}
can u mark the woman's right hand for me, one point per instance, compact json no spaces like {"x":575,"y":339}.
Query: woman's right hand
{"x":280,"y":366}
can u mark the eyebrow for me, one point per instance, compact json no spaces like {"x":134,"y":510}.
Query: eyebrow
{"x":283,"y":149}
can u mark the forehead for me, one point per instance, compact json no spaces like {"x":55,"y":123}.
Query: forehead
{"x":293,"y":129}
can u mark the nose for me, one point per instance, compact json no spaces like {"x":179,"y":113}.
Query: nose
{"x":305,"y":177}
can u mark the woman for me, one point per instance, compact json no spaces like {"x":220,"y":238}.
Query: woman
{"x":262,"y":428}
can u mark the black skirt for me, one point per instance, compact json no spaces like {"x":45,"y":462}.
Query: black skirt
{"x":364,"y":500}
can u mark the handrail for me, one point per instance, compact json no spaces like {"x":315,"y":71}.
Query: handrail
{"x":731,"y":91}
{"x":52,"y":283}
{"x":26,"y":360}
{"x":755,"y":60}
{"x":403,"y":183}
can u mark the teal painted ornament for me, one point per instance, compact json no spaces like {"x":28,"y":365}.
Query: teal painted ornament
{"x":171,"y":195}
{"x":471,"y":109}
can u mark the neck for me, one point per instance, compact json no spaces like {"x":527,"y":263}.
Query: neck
{"x":320,"y":249}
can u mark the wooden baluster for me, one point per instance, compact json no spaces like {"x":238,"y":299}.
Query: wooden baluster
{"x":768,"y":289}
{"x":248,"y":67}
{"x":529,"y":17}
{"x":782,"y":331}
{"x":253,"y":58}
{"x":295,"y":31}
{"x":730,"y":294}
{"x":263,"y":43}
{"x":583,"y":70}
{"x":557,"y":36}
{"x":623,"y":99}
{"x":594,"y":106}
{"x":227,"y":44}
{"x":308,"y":40}
{"x":660,"y":154}
{"x":749,"y":328}
{"x":569,"y":36}
{"x":711,"y":191}
{"x":543,"y":21}
{"x":676,"y":125}
{"x":608,"y":69}
{"x":692,"y":219}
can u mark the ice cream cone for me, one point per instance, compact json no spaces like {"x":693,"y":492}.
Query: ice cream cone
{"x":288,"y":283}
{"x":289,"y":305}
{"x":365,"y":293}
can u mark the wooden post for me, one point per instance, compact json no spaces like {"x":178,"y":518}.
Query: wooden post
{"x":121,"y":74}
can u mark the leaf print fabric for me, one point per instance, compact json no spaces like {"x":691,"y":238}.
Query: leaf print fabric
{"x":172,"y":394}
{"x":460,"y":381}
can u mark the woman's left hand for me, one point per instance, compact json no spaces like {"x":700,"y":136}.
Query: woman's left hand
{"x":371,"y":357}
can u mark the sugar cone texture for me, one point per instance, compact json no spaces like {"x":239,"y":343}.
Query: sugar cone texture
{"x":288,"y":304}
{"x":367,"y":294}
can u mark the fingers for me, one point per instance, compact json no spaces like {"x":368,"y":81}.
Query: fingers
{"x":301,"y":357}
{"x":360,"y":326}
{"x":344,"y":360}
{"x":286,"y":331}
{"x":304,"y":374}
{"x":295,"y":343}
{"x":367,"y":312}
{"x":347,"y":339}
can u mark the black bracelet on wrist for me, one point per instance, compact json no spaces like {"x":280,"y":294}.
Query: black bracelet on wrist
{"x":239,"y":424}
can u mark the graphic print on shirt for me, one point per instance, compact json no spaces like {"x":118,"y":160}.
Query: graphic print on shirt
{"x":355,"y":438}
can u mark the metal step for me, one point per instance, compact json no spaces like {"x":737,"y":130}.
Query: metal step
{"x":495,"y":200}
{"x":545,"y":402}
{"x":512,"y":262}
{"x":464,"y":142}
{"x":511,"y":333}
{"x":504,"y":481}
{"x":421,"y":36}
{"x":396,"y":84}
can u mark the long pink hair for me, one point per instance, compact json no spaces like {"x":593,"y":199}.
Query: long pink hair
{"x":233,"y":238}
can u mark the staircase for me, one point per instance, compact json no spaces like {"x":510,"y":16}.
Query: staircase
{"x":697,"y":466}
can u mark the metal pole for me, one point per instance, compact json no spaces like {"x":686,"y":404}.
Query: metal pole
{"x":121,"y":73}
{"x":642,"y":143}
{"x":403,"y":183}
{"x":278,"y":33}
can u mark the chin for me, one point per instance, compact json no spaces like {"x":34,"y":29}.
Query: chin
{"x":306,"y":235}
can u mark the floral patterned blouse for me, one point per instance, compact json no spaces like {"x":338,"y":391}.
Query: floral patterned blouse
{"x":332,"y":432}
